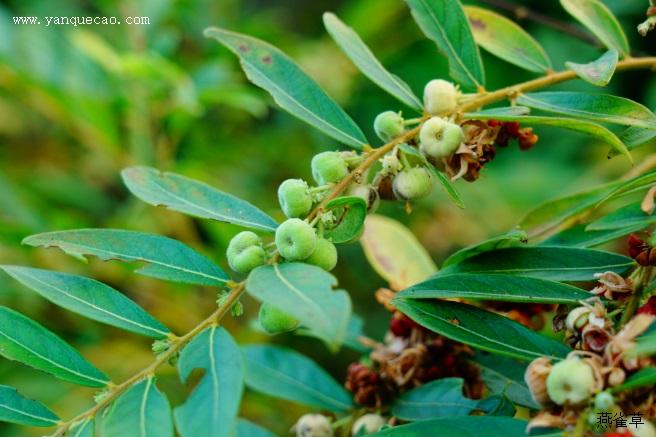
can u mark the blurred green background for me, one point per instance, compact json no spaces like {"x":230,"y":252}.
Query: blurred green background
{"x":77,"y":104}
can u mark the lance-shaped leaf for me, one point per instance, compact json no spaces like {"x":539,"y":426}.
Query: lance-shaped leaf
{"x":286,"y":374}
{"x":505,"y":376}
{"x":544,"y":262}
{"x":306,"y":293}
{"x":622,"y":188}
{"x":395,"y":253}
{"x":89,"y":298}
{"x":349,"y":212}
{"x":358,"y":52}
{"x":514,"y":238}
{"x":142,"y":411}
{"x":599,"y":20}
{"x":506,"y":288}
{"x":600,"y":107}
{"x":26,"y":341}
{"x":470,"y":426}
{"x":643,"y":377}
{"x":246,"y":428}
{"x":166,"y":258}
{"x":446,"y":24}
{"x":481,"y":329}
{"x":439,"y":398}
{"x":598,"y":72}
{"x":579,"y":236}
{"x":85,"y":428}
{"x":505,"y":39}
{"x":15,"y":408}
{"x":193,"y":197}
{"x":269,"y":68}
{"x":630,"y":215}
{"x":211,"y":409}
{"x":635,"y":137}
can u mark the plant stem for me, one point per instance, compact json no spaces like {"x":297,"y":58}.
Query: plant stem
{"x":634,"y":301}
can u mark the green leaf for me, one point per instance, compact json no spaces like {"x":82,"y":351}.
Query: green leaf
{"x":306,"y":293}
{"x":167,"y":258}
{"x":622,"y":188}
{"x":142,"y":411}
{"x":646,"y":345}
{"x":493,"y":113}
{"x":15,"y":408}
{"x":211,"y":409}
{"x":470,"y":426}
{"x":505,"y":288}
{"x":358,"y":52}
{"x":496,"y":405}
{"x":544,"y":262}
{"x":643,"y":377}
{"x":514,"y":238}
{"x":439,"y":398}
{"x":598,"y":72}
{"x":599,"y":20}
{"x":395,"y":253}
{"x":635,"y":137}
{"x":481,"y":329}
{"x":350,"y":212}
{"x":505,"y":39}
{"x":600,"y":107}
{"x":24,"y":340}
{"x":271,"y":69}
{"x":446,"y":24}
{"x":82,"y":429}
{"x":505,"y":376}
{"x":89,"y":298}
{"x":629,"y":215}
{"x":246,"y":428}
{"x":285,"y":374}
{"x":579,"y":236}
{"x":193,"y":197}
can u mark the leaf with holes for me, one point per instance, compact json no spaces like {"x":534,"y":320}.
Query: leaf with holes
{"x":15,"y":408}
{"x":599,"y":20}
{"x":598,"y":72}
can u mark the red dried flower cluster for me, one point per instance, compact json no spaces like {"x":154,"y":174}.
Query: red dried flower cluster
{"x":641,"y":251}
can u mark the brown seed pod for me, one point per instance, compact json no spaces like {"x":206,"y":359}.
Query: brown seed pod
{"x":536,"y":379}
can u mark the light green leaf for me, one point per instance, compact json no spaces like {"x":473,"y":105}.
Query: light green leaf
{"x":643,"y":377}
{"x":600,"y":107}
{"x":646,"y":344}
{"x":445,"y":23}
{"x":506,"y":288}
{"x":193,"y":197}
{"x":285,"y":374}
{"x":630,"y":215}
{"x":167,"y":258}
{"x":579,"y":236}
{"x":635,"y":137}
{"x":470,"y":426}
{"x":621,"y":188}
{"x":598,"y":72}
{"x":89,"y":298}
{"x":211,"y":409}
{"x":358,"y":52}
{"x":505,"y":376}
{"x":493,"y":113}
{"x":514,"y":238}
{"x":15,"y":408}
{"x":142,"y":411}
{"x":85,"y":428}
{"x":246,"y":428}
{"x":481,"y":329}
{"x":350,"y":212}
{"x":505,"y":39}
{"x":24,"y":340}
{"x":439,"y":398}
{"x":395,"y":253}
{"x":599,"y":20}
{"x":306,"y":293}
{"x":269,"y":68}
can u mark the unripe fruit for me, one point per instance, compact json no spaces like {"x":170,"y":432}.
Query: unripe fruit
{"x":294,"y":198}
{"x":389,"y":125}
{"x":604,"y":401}
{"x":570,"y":381}
{"x":412,"y":183}
{"x":324,"y":256}
{"x":328,"y":167}
{"x":439,"y":138}
{"x":313,"y":425}
{"x":440,"y":96}
{"x":245,"y":252}
{"x":368,"y":424}
{"x":295,"y":239}
{"x":274,"y":321}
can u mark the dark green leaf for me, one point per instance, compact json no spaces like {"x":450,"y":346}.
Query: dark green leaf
{"x":445,"y":23}
{"x":15,"y":408}
{"x":211,"y":409}
{"x":193,"y":197}
{"x":578,"y":236}
{"x":599,"y":20}
{"x":630,"y":215}
{"x":470,"y":426}
{"x":167,"y":258}
{"x":642,"y":378}
{"x":439,"y":398}
{"x":269,"y":68}
{"x":598,"y":72}
{"x":359,"y":53}
{"x":89,"y":298}
{"x":26,"y":341}
{"x":246,"y":428}
{"x":496,"y":405}
{"x":505,"y":39}
{"x":505,"y":376}
{"x":306,"y":293}
{"x":286,"y":374}
{"x":514,"y":238}
{"x":481,"y":329}
{"x":350,"y":212}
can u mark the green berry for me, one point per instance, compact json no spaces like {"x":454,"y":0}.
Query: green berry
{"x":570,"y":381}
{"x":328,"y":168}
{"x":389,"y":125}
{"x":439,"y":138}
{"x":296,"y":239}
{"x":604,"y":401}
{"x":440,"y":96}
{"x":324,"y":256}
{"x":295,"y":198}
{"x":412,"y":183}
{"x":245,"y":252}
{"x":274,"y":321}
